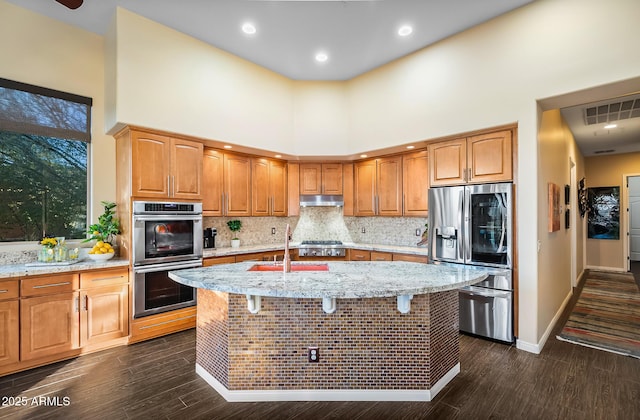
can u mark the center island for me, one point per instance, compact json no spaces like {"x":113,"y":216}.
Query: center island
{"x":328,"y":331}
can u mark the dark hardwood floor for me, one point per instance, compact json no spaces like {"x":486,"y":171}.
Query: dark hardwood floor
{"x":156,"y":380}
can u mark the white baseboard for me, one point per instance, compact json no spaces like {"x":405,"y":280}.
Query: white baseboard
{"x":328,"y":394}
{"x":613,"y":269}
{"x":537,"y":347}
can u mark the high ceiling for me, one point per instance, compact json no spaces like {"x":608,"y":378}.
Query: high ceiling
{"x":356,"y":35}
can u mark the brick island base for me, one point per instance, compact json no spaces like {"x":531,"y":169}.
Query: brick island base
{"x":368,"y":350}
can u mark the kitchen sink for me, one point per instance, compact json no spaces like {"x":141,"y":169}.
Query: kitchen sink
{"x":294,"y":267}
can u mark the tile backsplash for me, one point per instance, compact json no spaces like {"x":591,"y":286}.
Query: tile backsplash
{"x":321,"y":223}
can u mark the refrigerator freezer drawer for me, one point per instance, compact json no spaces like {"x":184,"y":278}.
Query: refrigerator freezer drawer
{"x":487,"y":313}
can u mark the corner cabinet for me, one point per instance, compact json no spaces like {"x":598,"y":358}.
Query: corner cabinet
{"x":160,"y":166}
{"x":269,"y":187}
{"x":480,"y":158}
{"x":378,"y":187}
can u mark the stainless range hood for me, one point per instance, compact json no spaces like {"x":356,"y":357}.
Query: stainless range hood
{"x":321,"y":200}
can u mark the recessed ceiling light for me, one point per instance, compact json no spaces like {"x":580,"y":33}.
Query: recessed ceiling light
{"x":608,"y":126}
{"x":405,"y":30}
{"x":321,"y":57}
{"x":363,"y":156}
{"x":248,"y":28}
{"x":278,"y":156}
{"x":411,"y":147}
{"x":227,"y":146}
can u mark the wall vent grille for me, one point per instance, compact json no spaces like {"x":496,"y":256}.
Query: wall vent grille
{"x":614,"y":111}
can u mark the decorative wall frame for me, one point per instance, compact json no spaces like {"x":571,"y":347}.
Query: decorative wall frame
{"x":604,"y":213}
{"x":583,"y":199}
{"x":554,"y":207}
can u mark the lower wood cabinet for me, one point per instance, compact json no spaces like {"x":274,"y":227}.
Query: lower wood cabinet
{"x":49,"y":325}
{"x":9,"y":322}
{"x":58,"y":316}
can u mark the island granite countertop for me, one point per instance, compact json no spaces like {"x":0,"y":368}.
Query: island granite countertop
{"x":342,"y":280}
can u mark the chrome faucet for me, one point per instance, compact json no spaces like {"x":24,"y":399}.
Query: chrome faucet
{"x":286,"y":262}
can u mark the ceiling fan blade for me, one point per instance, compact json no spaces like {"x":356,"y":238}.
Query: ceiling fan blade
{"x":71,"y":4}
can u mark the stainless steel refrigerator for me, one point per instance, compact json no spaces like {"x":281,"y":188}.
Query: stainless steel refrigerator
{"x":472,"y":225}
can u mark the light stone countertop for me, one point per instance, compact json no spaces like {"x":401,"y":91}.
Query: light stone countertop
{"x":226,"y":251}
{"x":22,"y":270}
{"x":343,"y":280}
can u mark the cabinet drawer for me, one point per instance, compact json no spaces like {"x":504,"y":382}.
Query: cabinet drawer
{"x":381,"y":256}
{"x":411,"y":258}
{"x":208,"y":262}
{"x":9,"y":289}
{"x":47,"y":285}
{"x":103,"y":278}
{"x":359,"y":255}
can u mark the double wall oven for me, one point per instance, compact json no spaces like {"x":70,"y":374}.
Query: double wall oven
{"x":166,"y":236}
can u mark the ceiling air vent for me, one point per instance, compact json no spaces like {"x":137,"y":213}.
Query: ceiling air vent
{"x":614,"y":111}
{"x":599,"y":152}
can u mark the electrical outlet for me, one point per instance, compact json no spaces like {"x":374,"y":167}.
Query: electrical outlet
{"x":364,"y":230}
{"x":418,"y":233}
{"x":273,"y":231}
{"x":314,"y":354}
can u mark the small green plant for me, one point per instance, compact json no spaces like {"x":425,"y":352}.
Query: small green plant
{"x":108,"y":225}
{"x":234,"y":226}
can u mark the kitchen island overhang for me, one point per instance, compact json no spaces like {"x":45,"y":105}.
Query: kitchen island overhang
{"x":369,"y":348}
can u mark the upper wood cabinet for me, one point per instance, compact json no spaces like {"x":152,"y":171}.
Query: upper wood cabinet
{"x":160,"y":166}
{"x":226,"y":185}
{"x":269,"y":187}
{"x":321,"y":178}
{"x":415,"y":183}
{"x":378,"y":187}
{"x":475,"y":159}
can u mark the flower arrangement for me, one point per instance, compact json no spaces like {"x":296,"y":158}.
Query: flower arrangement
{"x":49,"y":242}
{"x":108,"y":225}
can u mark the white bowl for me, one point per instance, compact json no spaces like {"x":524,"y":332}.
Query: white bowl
{"x":101,"y":257}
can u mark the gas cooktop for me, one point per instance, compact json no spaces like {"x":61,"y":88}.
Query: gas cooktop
{"x":321,"y":249}
{"x":321,"y":243}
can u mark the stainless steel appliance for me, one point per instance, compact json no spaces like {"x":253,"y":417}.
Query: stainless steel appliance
{"x":331,"y":249}
{"x":167,"y":236}
{"x":166,"y":232}
{"x":154,"y":292}
{"x":472,"y":225}
{"x":209,"y":238}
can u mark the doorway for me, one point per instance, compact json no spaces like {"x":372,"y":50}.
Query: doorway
{"x":633,"y":224}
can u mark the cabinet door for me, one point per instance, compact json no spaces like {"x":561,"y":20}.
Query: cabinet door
{"x":310,"y":178}
{"x":389,"y":186}
{"x":489,"y":157}
{"x":237,"y":185}
{"x":364,"y":188}
{"x":260,"y":194}
{"x":212,"y":182}
{"x":9,"y":332}
{"x":347,"y":189}
{"x":104,"y":314}
{"x":415,"y":183}
{"x":278,"y":188}
{"x":293,"y":189}
{"x":448,"y":162}
{"x":186,"y":169}
{"x":332,"y":178}
{"x":49,"y":325}
{"x":150,"y":166}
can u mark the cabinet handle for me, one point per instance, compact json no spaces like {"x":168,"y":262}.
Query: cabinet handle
{"x":173,"y":186}
{"x":86,"y":302}
{"x":169,"y":185}
{"x":108,"y":278}
{"x":4,"y":291}
{"x":43,"y":286}
{"x":76,"y":303}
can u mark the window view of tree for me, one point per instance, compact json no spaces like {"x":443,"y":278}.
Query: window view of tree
{"x":43,"y":187}
{"x":44,"y":136}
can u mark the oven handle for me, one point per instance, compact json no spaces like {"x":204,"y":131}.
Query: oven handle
{"x":166,"y":217}
{"x":167,"y":267}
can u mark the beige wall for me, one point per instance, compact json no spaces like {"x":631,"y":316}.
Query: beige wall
{"x":609,"y":171}
{"x":557,"y":149}
{"x":48,"y":53}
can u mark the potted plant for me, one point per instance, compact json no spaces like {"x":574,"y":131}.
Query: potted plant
{"x":234,"y":226}
{"x":104,"y":232}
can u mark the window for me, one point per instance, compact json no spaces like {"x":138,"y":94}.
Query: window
{"x":44,"y":138}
